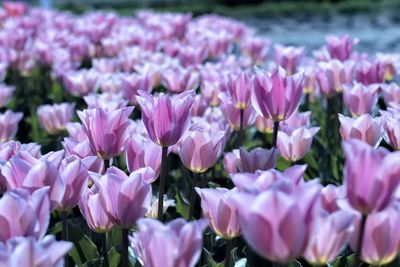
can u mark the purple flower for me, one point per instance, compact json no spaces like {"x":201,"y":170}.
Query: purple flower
{"x":9,"y":124}
{"x":54,"y":118}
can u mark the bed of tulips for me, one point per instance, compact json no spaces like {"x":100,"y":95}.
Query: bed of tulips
{"x":166,"y":140}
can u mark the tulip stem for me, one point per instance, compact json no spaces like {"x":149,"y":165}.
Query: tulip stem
{"x":64,"y":231}
{"x":104,"y":249}
{"x":125,"y":233}
{"x":360,"y":240}
{"x":275,"y":134}
{"x":241,"y":130}
{"x":163,"y":178}
{"x":228,"y":249}
{"x":193,"y":195}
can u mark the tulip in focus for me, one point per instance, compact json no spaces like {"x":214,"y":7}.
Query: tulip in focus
{"x":220,"y":210}
{"x":365,"y":128}
{"x":9,"y":124}
{"x":105,"y":130}
{"x":293,"y":144}
{"x":370,"y":188}
{"x":54,"y":118}
{"x":178,"y":243}
{"x":276,"y":96}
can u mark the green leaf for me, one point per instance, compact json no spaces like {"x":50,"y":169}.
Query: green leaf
{"x":294,"y":264}
{"x":84,"y":250}
{"x":210,"y":261}
{"x":181,"y":207}
{"x":57,"y":228}
{"x":114,"y":257}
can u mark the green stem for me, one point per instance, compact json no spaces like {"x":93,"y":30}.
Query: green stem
{"x":104,"y":249}
{"x":125,"y":233}
{"x":64,"y":232}
{"x":358,"y":251}
{"x":163,"y":178}
{"x":193,"y":195}
{"x":228,"y":249}
{"x":275,"y":133}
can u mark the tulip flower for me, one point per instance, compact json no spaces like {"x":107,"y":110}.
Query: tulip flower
{"x":220,"y":211}
{"x":93,"y":211}
{"x":264,"y":125}
{"x":9,"y":124}
{"x":331,"y":195}
{"x":178,"y":243}
{"x":180,"y":80}
{"x":27,"y":251}
{"x":105,"y":130}
{"x":249,"y":161}
{"x":199,"y":150}
{"x":379,"y":226}
{"x":80,"y":83}
{"x":371,"y":188}
{"x":360,"y":99}
{"x":239,"y":89}
{"x":11,"y":148}
{"x":106,"y":101}
{"x":392,"y":131}
{"x":340,"y":47}
{"x":288,"y":57}
{"x":364,"y":128}
{"x":15,"y":9}
{"x":153,"y":211}
{"x":277,"y":96}
{"x":6,"y":93}
{"x":142,"y":152}
{"x":284,"y":218}
{"x":256,"y":48}
{"x":329,"y":234}
{"x":293,"y":144}
{"x":166,"y":119}
{"x":54,"y":118}
{"x":24,"y":214}
{"x":199,"y":106}
{"x":297,"y":120}
{"x":391,"y":92}
{"x":369,"y":73}
{"x":134,"y":82}
{"x":332,"y":75}
{"x":389,"y":63}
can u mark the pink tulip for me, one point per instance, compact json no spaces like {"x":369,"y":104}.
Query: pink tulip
{"x":392,"y":131}
{"x":23,"y":214}
{"x":297,"y":120}
{"x":106,"y":101}
{"x":74,"y":174}
{"x":199,"y":150}
{"x":15,"y":9}
{"x":288,"y":57}
{"x":264,"y":125}
{"x":329,"y":234}
{"x":199,"y":106}
{"x":134,"y":82}
{"x":106,"y":130}
{"x":369,"y":73}
{"x":391,"y":92}
{"x":389,"y":63}
{"x":211,"y":90}
{"x":179,"y":80}
{"x":240,"y":160}
{"x":220,"y":211}
{"x":360,"y":99}
{"x":381,"y":240}
{"x":153,"y":211}
{"x":125,"y":198}
{"x":11,"y":148}
{"x":364,"y":128}
{"x":256,"y":48}
{"x":92,"y":210}
{"x":166,"y":119}
{"x":293,"y":144}
{"x":54,"y":118}
{"x":232,"y":114}
{"x":261,"y":181}
{"x":6,"y":93}
{"x":29,"y":252}
{"x":370,"y":188}
{"x":332,"y":75}
{"x":178,"y":243}
{"x":284,"y":218}
{"x":276,"y":96}
{"x":310,"y":80}
{"x":80,"y":83}
{"x":331,"y":195}
{"x":340,"y":47}
{"x":9,"y":124}
{"x":142,"y":152}
{"x":239,"y":89}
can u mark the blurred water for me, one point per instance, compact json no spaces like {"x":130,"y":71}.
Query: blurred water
{"x":375,"y":32}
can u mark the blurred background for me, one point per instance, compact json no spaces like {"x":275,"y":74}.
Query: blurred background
{"x":302,"y":22}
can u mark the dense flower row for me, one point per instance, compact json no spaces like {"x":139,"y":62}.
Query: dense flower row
{"x":161,"y":85}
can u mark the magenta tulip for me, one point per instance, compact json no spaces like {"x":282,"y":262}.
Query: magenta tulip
{"x":369,"y":73}
{"x":340,"y":47}
{"x":134,"y":82}
{"x":178,"y":243}
{"x":371,"y":188}
{"x":179,"y":80}
{"x":364,"y":128}
{"x":54,"y":118}
{"x":249,"y":161}
{"x":125,"y":198}
{"x":166,"y":119}
{"x":276,"y":96}
{"x":220,"y":211}
{"x":332,"y":75}
{"x":360,"y":99}
{"x":106,"y":130}
{"x":288,"y":57}
{"x":239,"y":89}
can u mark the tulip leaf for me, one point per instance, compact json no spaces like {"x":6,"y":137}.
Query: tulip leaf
{"x":210,"y":261}
{"x":84,"y":249}
{"x":57,"y":228}
{"x":114,"y":257}
{"x":294,"y":264}
{"x":181,"y":207}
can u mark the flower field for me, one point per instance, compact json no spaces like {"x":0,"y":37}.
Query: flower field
{"x":168,"y":140}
